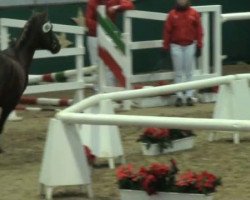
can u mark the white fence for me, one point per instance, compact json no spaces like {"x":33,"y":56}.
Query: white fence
{"x":235,"y":16}
{"x":203,"y":70}
{"x":15,"y":3}
{"x":74,"y":113}
{"x":78,"y":52}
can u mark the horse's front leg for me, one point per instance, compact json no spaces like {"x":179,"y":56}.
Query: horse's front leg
{"x":1,"y":130}
{"x":4,"y":116}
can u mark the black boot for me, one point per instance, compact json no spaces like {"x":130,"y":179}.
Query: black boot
{"x":179,"y":102}
{"x":190,"y":102}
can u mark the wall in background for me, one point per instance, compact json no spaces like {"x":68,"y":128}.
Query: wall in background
{"x":236,"y":40}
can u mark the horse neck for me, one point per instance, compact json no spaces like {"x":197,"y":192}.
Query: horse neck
{"x":25,"y":52}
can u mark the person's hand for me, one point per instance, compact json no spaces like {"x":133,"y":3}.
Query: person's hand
{"x":113,"y":9}
{"x":198,"y":52}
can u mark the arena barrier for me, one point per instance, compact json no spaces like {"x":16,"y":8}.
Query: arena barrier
{"x":235,"y":16}
{"x":90,"y":76}
{"x":35,"y":109}
{"x":230,"y":114}
{"x":18,"y":3}
{"x":46,"y":101}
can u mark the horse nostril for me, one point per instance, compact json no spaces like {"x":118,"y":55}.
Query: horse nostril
{"x":55,"y":46}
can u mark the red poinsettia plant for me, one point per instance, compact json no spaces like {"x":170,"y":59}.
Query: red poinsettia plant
{"x":157,"y":177}
{"x":90,"y":156}
{"x":163,"y":178}
{"x":163,"y":137}
{"x":203,"y":182}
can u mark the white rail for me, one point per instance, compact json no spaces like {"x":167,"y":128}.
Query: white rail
{"x":15,"y":3}
{"x":17,"y":23}
{"x":235,"y":16}
{"x":33,"y":79}
{"x":74,"y":114}
{"x":161,"y":122}
{"x":161,"y":90}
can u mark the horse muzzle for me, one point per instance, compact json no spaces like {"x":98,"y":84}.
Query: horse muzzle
{"x":55,"y":48}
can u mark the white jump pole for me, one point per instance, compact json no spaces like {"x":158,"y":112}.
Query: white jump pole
{"x":235,"y":16}
{"x":161,"y":122}
{"x":234,"y":94}
{"x":33,"y":79}
{"x":18,"y":3}
{"x":161,"y":90}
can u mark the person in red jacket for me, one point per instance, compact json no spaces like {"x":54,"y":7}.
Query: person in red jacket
{"x":183,"y":36}
{"x":113,"y":7}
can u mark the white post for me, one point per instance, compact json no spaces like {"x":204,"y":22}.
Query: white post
{"x":104,"y":141}
{"x":128,"y":68}
{"x":101,"y":65}
{"x":206,"y":47}
{"x":102,"y":80}
{"x":128,"y":71}
{"x":4,"y":37}
{"x":79,"y":65}
{"x":217,"y":41}
{"x":64,"y":160}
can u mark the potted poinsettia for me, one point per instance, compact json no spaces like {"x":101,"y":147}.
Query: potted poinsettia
{"x":208,"y":95}
{"x":155,"y":141}
{"x":160,"y":181}
{"x":197,"y":183}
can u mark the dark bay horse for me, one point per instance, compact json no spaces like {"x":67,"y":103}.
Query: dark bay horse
{"x":16,"y":60}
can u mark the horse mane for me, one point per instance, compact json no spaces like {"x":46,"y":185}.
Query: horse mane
{"x":27,"y":30}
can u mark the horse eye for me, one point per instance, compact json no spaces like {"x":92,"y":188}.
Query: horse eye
{"x":47,"y":27}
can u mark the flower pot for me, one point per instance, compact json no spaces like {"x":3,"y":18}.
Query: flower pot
{"x":209,"y":97}
{"x":151,"y":102}
{"x":177,"y":145}
{"x":153,"y":150}
{"x":142,"y":195}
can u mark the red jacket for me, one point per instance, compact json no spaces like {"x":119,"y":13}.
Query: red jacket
{"x":183,"y":28}
{"x":91,"y":12}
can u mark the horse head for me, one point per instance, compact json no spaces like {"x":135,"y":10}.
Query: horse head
{"x":47,"y":39}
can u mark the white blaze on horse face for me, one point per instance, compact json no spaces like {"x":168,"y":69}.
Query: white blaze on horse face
{"x":47,"y":27}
